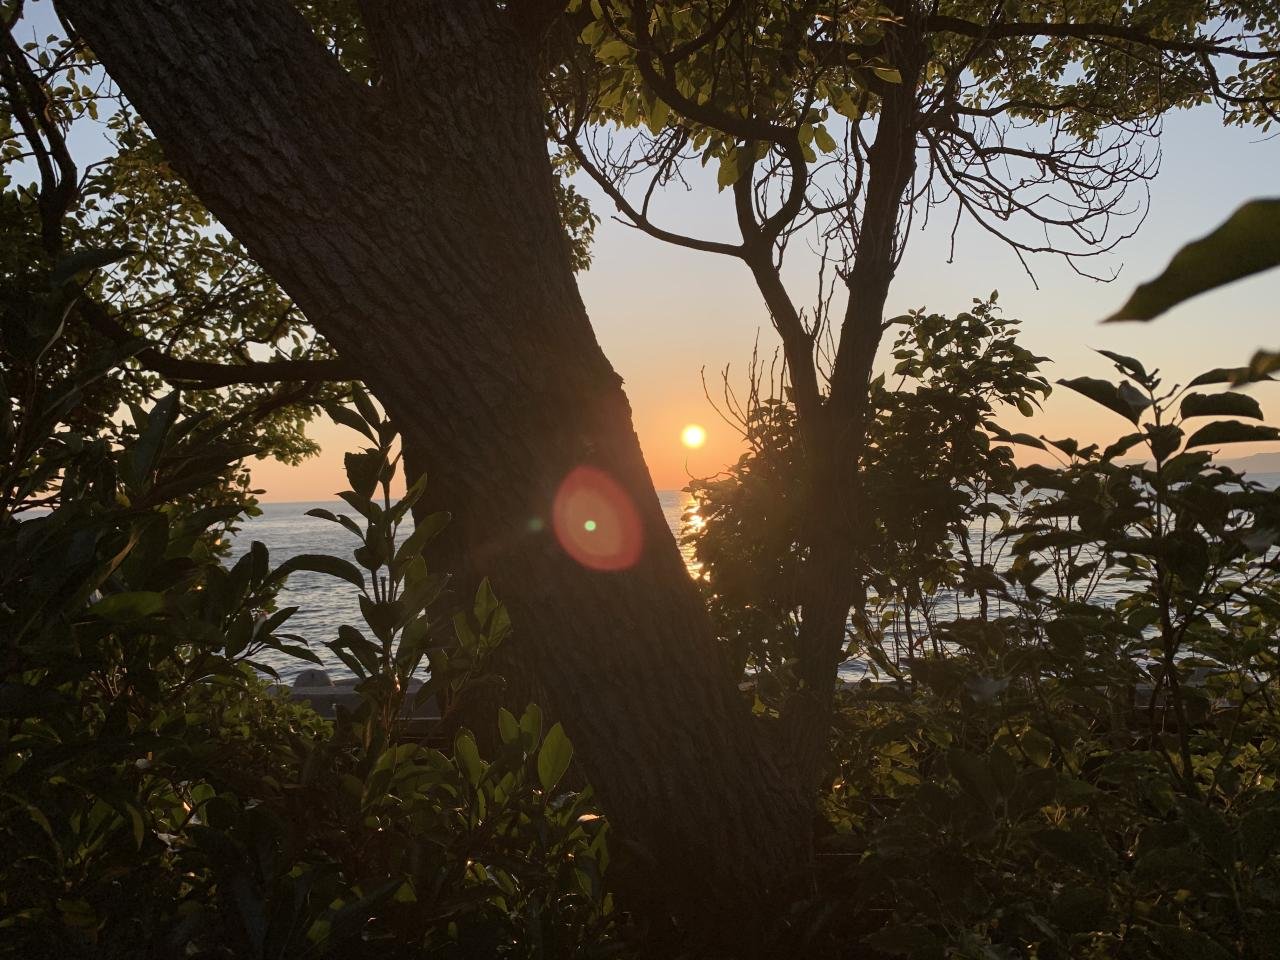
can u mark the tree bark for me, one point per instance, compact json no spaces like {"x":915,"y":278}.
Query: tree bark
{"x":416,"y":226}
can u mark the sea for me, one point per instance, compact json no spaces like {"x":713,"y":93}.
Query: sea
{"x":325,"y":603}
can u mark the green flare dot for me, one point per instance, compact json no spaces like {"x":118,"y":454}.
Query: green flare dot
{"x":589,"y":526}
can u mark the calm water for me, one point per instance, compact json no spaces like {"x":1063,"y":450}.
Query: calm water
{"x":325,"y":603}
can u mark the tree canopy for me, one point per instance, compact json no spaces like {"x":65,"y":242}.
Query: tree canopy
{"x":393,"y":170}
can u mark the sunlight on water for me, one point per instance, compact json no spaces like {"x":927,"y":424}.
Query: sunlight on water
{"x":325,"y":604}
{"x":682,"y":516}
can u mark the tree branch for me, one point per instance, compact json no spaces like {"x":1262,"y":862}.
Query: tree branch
{"x":29,"y":102}
{"x":1090,"y":31}
{"x":743,"y":128}
{"x":206,"y":374}
{"x":637,"y":218}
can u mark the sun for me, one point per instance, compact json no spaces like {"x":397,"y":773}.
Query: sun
{"x":693,"y":436}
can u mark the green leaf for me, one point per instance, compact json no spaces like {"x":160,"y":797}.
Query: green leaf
{"x":613,"y":50}
{"x":1164,"y":439}
{"x":1227,"y":375}
{"x":728,"y":173}
{"x":1248,"y":242}
{"x":1264,"y":363}
{"x":1122,"y":446}
{"x":1026,"y":439}
{"x":1079,"y":909}
{"x":826,"y":143}
{"x":383,"y":617}
{"x":531,"y":725}
{"x":1126,"y":364}
{"x":1037,"y":747}
{"x":887,"y":74}
{"x":467,"y":755}
{"x":423,"y":532}
{"x":489,"y":611}
{"x":1230,"y":431}
{"x":144,"y":453}
{"x":1105,"y":393}
{"x":1259,"y":540}
{"x":508,"y":727}
{"x":137,"y":823}
{"x":1211,"y":828}
{"x":846,"y":105}
{"x":1135,"y":399}
{"x":362,"y":471}
{"x":351,"y":641}
{"x":321,"y":563}
{"x":124,"y":607}
{"x":362,"y":505}
{"x":1220,"y":405}
{"x":553,"y":758}
{"x":658,"y":115}
{"x":365,"y":407}
{"x":344,"y":415}
{"x":332,"y":517}
{"x":1186,"y":465}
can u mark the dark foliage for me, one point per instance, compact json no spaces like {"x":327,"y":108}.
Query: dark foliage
{"x":158,"y":799}
{"x":1066,"y":745}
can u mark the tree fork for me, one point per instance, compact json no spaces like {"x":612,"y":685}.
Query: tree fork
{"x":836,"y":527}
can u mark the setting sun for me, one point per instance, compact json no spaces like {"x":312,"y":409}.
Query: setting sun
{"x":693,"y":436}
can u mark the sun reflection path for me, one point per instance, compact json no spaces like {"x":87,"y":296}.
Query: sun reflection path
{"x":691,"y":523}
{"x":595,"y":521}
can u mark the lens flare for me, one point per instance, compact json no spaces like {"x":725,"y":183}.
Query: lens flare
{"x":595,"y":521}
{"x":693,"y":436}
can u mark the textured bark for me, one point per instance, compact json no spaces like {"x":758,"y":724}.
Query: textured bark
{"x":415,"y":224}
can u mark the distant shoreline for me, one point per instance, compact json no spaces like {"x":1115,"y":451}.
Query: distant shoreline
{"x":284,"y":503}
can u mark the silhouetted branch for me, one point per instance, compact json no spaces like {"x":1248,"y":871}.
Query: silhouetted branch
{"x":204,"y":374}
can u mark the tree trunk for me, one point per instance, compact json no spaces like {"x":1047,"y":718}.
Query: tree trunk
{"x":838,"y":528}
{"x":415,"y":224}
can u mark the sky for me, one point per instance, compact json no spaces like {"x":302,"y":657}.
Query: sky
{"x":663,"y":314}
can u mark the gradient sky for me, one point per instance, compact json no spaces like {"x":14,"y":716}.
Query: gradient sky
{"x":663,"y":313}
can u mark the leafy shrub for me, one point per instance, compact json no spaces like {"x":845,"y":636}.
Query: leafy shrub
{"x":1052,"y":769}
{"x":157,"y":798}
{"x":930,"y":471}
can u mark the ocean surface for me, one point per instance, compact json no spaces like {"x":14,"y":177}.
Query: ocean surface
{"x":325,"y":603}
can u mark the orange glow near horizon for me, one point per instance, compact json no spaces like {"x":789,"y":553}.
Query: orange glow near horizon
{"x":693,"y":436}
{"x":673,"y":465}
{"x":670,"y":319}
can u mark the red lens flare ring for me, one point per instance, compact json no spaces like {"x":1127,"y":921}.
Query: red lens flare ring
{"x":595,"y":521}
